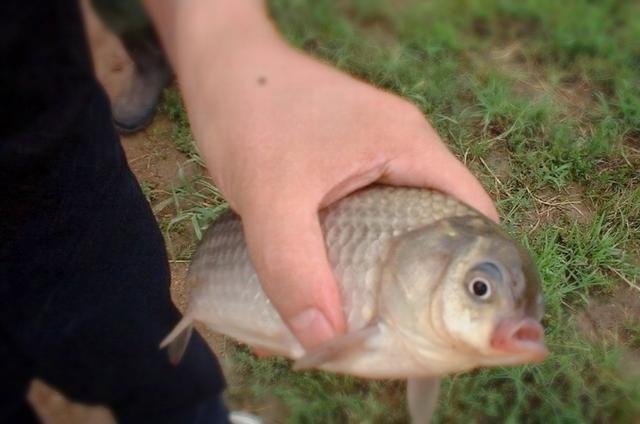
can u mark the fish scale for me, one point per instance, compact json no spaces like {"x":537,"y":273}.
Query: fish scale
{"x":356,"y":231}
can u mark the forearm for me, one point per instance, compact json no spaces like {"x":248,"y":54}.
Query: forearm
{"x":207,"y":36}
{"x":231,"y":51}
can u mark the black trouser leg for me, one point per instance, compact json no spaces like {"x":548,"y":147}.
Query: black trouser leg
{"x":84,"y":288}
{"x":15,"y":377}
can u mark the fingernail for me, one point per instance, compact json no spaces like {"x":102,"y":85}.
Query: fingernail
{"x":311,"y":327}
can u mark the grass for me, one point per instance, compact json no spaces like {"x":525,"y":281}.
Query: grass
{"x":541,"y":99}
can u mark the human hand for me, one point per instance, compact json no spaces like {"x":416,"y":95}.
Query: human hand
{"x":283,"y":136}
{"x":282,"y":142}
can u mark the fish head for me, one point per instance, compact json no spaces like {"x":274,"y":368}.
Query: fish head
{"x":463,"y":292}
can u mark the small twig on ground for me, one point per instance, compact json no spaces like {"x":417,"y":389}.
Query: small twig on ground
{"x":623,"y":278}
{"x":491,"y":172}
{"x":139,"y":158}
{"x":551,"y":202}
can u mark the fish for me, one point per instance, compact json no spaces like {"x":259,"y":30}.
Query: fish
{"x":429,"y":287}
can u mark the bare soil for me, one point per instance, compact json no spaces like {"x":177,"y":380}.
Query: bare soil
{"x":615,"y":321}
{"x":607,"y":319}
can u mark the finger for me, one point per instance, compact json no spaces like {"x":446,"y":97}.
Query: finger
{"x":436,"y":167}
{"x":289,"y":254}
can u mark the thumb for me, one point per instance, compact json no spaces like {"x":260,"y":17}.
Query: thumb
{"x":288,"y":251}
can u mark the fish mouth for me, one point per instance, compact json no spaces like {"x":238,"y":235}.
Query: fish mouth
{"x":520,"y":337}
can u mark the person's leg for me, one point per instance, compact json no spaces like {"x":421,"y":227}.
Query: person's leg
{"x":99,"y":341}
{"x":84,"y":279}
{"x":85,"y":284}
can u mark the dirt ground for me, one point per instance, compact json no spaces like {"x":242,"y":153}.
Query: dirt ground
{"x":155,"y":163}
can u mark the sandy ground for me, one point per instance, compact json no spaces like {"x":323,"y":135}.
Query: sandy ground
{"x":156,"y":162}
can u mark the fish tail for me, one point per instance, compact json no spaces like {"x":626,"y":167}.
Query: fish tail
{"x":178,"y":340}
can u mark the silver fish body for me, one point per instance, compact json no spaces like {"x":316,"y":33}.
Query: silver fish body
{"x":410,"y":264}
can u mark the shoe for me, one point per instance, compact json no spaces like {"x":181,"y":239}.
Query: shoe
{"x":134,"y":108}
{"x":240,"y":417}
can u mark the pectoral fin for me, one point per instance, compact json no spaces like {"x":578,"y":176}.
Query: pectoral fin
{"x":337,"y":347}
{"x":178,"y":340}
{"x":422,"y":397}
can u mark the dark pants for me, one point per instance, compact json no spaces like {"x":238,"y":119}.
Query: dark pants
{"x":84,"y":280}
{"x":85,"y":300}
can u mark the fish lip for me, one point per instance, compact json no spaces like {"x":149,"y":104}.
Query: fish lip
{"x":521,"y":338}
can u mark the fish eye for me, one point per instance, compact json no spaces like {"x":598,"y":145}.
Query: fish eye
{"x":480,"y":288}
{"x":481,"y":280}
